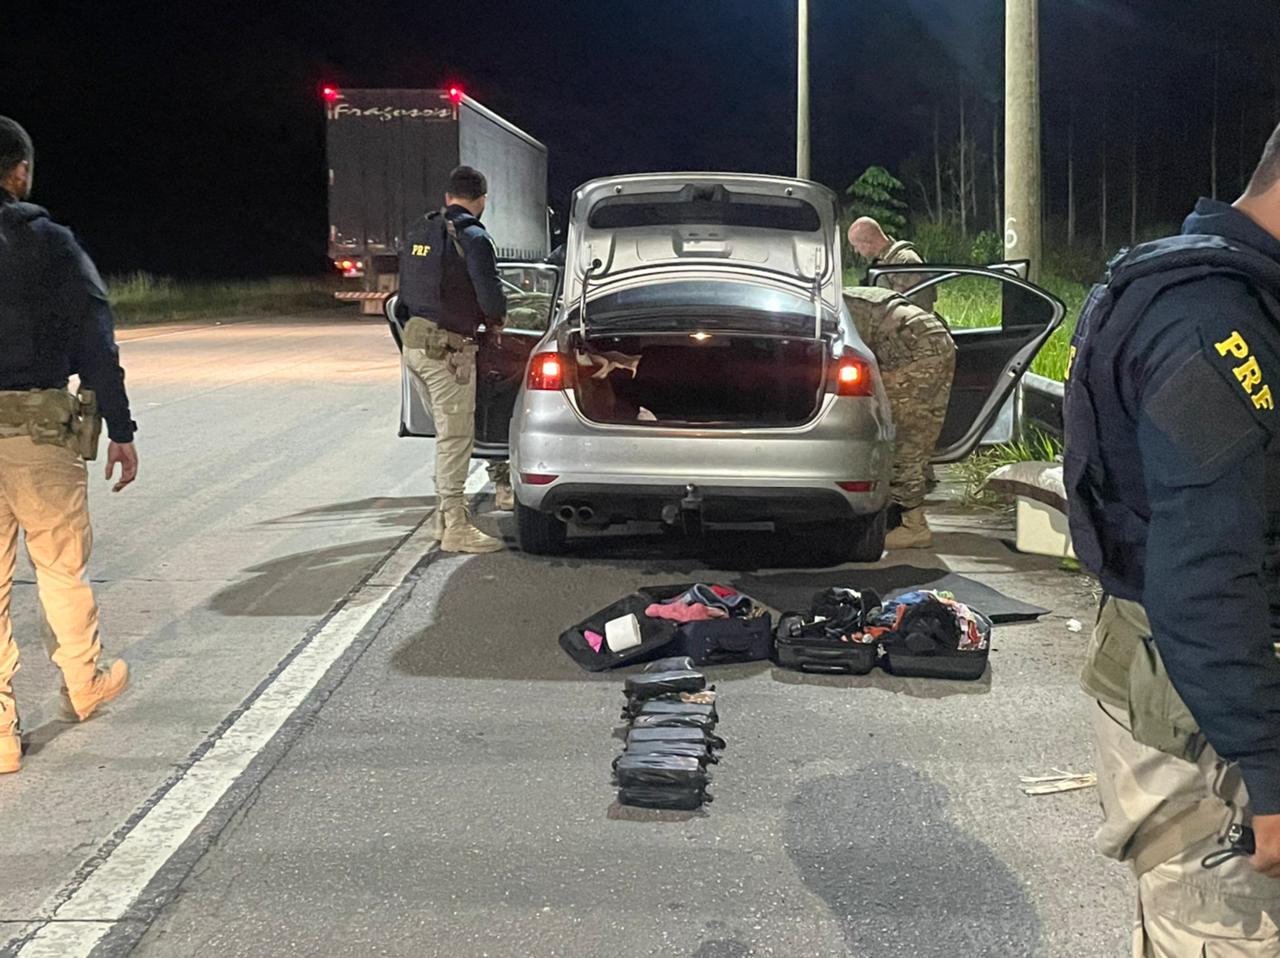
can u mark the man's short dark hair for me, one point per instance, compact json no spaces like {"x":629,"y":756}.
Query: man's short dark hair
{"x":1267,"y":174}
{"x":467,"y":183}
{"x":15,"y":145}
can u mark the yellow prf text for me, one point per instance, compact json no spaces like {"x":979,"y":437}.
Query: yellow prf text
{"x":1248,"y":373}
{"x":420,"y":249}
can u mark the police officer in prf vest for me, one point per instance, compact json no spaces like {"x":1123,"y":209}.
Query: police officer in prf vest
{"x":1172,"y":468}
{"x":449,"y":287}
{"x":54,"y":321}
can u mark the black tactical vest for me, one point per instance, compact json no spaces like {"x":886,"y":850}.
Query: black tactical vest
{"x":1108,"y":509}
{"x":32,"y":341}
{"x":434,"y":282}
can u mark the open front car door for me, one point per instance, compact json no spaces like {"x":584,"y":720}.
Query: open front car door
{"x":999,"y":322}
{"x":500,"y":364}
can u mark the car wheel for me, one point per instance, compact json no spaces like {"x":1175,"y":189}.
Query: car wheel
{"x":538,"y":533}
{"x":866,"y":537}
{"x":844,"y":540}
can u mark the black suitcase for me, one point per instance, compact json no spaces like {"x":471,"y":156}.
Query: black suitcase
{"x":966,"y":666}
{"x":820,"y":654}
{"x":926,"y":646}
{"x":726,"y":641}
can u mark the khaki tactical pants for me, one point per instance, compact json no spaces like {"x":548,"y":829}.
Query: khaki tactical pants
{"x":44,"y":493}
{"x":1184,"y":909}
{"x":453,"y":407}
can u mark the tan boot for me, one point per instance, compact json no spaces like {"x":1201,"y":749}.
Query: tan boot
{"x":460,"y":535}
{"x":435,"y":525}
{"x":504,"y":497}
{"x":10,"y":750}
{"x":106,"y":685}
{"x":912,"y":534}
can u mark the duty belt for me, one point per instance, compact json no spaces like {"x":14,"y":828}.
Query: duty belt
{"x":52,"y":417}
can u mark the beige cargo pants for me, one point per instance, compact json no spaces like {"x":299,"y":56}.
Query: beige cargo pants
{"x":44,"y":494}
{"x":1184,"y":909}
{"x":453,"y":407}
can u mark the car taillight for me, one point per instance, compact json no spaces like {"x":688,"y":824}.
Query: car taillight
{"x":852,"y":376}
{"x":550,"y":372}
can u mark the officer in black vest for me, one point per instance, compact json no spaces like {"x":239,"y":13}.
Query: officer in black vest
{"x":449,"y":287}
{"x":54,"y":322}
{"x":1173,"y":473}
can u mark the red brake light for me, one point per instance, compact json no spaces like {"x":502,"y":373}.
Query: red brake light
{"x":857,"y":486}
{"x":455,"y":94}
{"x":852,"y":376}
{"x":549,"y":372}
{"x":330,"y":93}
{"x":537,"y":478}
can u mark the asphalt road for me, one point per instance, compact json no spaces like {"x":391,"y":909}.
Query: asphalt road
{"x":445,"y":789}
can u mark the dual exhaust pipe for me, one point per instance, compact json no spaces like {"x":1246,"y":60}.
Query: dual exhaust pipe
{"x":575,"y":514}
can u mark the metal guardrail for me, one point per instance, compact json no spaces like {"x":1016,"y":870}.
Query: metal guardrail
{"x":1042,"y":404}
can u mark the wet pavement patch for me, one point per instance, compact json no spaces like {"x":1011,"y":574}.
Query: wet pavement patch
{"x":879,"y":848}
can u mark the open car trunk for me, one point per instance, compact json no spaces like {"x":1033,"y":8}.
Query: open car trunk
{"x":703,"y":380}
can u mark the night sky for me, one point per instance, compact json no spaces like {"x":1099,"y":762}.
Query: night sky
{"x":187,"y":138}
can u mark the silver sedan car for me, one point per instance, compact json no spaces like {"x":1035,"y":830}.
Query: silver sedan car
{"x":694,"y":364}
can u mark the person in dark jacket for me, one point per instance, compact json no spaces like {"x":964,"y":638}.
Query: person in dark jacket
{"x":449,"y":287}
{"x":54,"y":322}
{"x":1173,"y":471}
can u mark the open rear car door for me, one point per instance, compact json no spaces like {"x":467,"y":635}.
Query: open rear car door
{"x":500,"y":364}
{"x":999,"y":322}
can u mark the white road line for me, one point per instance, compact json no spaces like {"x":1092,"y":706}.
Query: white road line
{"x":88,"y":913}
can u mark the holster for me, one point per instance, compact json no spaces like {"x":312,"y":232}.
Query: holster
{"x":86,"y":425}
{"x":442,"y":345}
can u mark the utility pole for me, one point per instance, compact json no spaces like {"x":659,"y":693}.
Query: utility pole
{"x":1022,"y":225}
{"x":802,"y":92}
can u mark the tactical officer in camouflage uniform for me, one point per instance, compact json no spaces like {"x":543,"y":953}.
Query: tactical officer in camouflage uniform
{"x":1172,"y":466}
{"x":54,"y":322}
{"x":917,"y":360}
{"x":449,"y":286}
{"x":870,"y":241}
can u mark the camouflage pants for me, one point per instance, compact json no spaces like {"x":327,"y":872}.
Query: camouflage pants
{"x":44,"y":494}
{"x":1183,"y":908}
{"x":453,"y":408}
{"x":919,"y":391}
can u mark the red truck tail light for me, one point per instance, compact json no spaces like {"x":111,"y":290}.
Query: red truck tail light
{"x":550,"y":372}
{"x":330,"y":93}
{"x":852,"y":376}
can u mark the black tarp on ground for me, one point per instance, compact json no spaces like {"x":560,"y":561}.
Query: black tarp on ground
{"x":793,"y":591}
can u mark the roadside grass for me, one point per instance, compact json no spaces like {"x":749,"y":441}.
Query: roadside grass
{"x":142,"y":299}
{"x":973,"y":472}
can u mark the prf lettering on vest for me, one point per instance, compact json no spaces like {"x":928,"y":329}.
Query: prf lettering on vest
{"x":1248,"y":373}
{"x":420,"y":249}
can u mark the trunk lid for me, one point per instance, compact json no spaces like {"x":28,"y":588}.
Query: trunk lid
{"x":631,"y":230}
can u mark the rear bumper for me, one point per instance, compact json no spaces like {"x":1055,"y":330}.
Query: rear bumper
{"x":647,"y":502}
{"x":633,"y":472}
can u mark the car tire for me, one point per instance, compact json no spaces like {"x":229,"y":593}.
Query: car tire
{"x":538,"y":533}
{"x":866,"y":537}
{"x":844,"y":540}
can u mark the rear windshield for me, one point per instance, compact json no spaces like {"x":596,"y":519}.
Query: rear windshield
{"x":708,"y":303}
{"x":710,"y":206}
